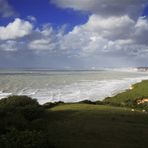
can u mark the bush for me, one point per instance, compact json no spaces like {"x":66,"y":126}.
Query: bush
{"x":23,"y":106}
{"x":50,"y":104}
{"x":24,"y":139}
{"x":101,"y":103}
{"x":17,"y":101}
{"x":23,"y":123}
{"x":87,"y":102}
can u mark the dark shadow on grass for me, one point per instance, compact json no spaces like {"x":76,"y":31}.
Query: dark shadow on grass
{"x":61,"y":115}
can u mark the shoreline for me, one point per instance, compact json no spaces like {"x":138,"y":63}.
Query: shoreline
{"x":131,"y":87}
{"x":70,"y":87}
{"x":123,"y":99}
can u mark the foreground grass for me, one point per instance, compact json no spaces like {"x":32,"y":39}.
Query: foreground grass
{"x":97,"y":126}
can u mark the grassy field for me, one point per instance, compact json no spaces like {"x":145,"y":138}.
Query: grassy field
{"x":97,"y":126}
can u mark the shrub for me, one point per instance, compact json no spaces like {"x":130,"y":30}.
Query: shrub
{"x":87,"y":102}
{"x":24,"y":139}
{"x":50,"y":104}
{"x":22,"y":106}
{"x":22,"y":123}
{"x":18,"y":112}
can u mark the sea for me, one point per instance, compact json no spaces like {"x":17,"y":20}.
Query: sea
{"x":67,"y":85}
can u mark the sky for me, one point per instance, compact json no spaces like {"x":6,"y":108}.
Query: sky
{"x":73,"y":34}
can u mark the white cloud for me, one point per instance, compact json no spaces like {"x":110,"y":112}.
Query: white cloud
{"x":111,"y":27}
{"x":45,"y":41}
{"x":17,"y":29}
{"x":41,"y":44}
{"x":141,"y":26}
{"x":116,"y":34}
{"x":114,"y":28}
{"x":9,"y":46}
{"x":47,"y":30}
{"x":140,"y":34}
{"x":31,"y":18}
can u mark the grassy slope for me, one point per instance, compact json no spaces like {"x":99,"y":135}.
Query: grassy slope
{"x":139,"y":90}
{"x":97,"y":126}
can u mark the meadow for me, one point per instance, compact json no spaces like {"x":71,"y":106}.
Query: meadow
{"x":97,"y":126}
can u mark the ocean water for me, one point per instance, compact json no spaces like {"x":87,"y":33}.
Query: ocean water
{"x":67,"y":86}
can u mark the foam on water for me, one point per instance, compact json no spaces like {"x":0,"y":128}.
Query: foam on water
{"x":73,"y":91}
{"x":3,"y":95}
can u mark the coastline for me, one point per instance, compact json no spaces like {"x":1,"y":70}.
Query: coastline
{"x":128,"y":98}
{"x":127,"y":90}
{"x":136,"y":92}
{"x":68,"y":87}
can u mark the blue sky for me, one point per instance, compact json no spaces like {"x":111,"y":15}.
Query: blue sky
{"x":46,"y":12}
{"x":66,"y":34}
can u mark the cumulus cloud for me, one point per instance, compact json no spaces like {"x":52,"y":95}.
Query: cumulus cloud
{"x":117,"y":34}
{"x":6,"y":10}
{"x":112,"y":27}
{"x":104,"y":7}
{"x":111,"y":37}
{"x":45,"y":39}
{"x":17,"y":29}
{"x":9,"y":45}
{"x":42,"y":44}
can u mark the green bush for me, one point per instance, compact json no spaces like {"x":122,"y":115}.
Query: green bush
{"x":87,"y":102}
{"x":50,"y":104}
{"x":24,"y":139}
{"x":23,"y":123}
{"x":17,"y":101}
{"x":23,"y":105}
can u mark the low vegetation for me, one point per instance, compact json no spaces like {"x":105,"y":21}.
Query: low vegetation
{"x":131,"y":97}
{"x":117,"y":121}
{"x":23,"y":123}
{"x":97,"y":126}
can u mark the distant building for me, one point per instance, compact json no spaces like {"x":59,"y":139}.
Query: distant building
{"x":142,"y":69}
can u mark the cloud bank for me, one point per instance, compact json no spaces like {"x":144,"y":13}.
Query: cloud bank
{"x":115,"y":31}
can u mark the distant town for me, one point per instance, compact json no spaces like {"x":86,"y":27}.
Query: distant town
{"x":142,"y":69}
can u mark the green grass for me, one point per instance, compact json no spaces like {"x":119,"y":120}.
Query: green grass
{"x":139,"y":91}
{"x":97,"y":126}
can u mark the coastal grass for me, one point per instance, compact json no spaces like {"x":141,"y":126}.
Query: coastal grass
{"x":139,"y":91}
{"x":97,"y":126}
